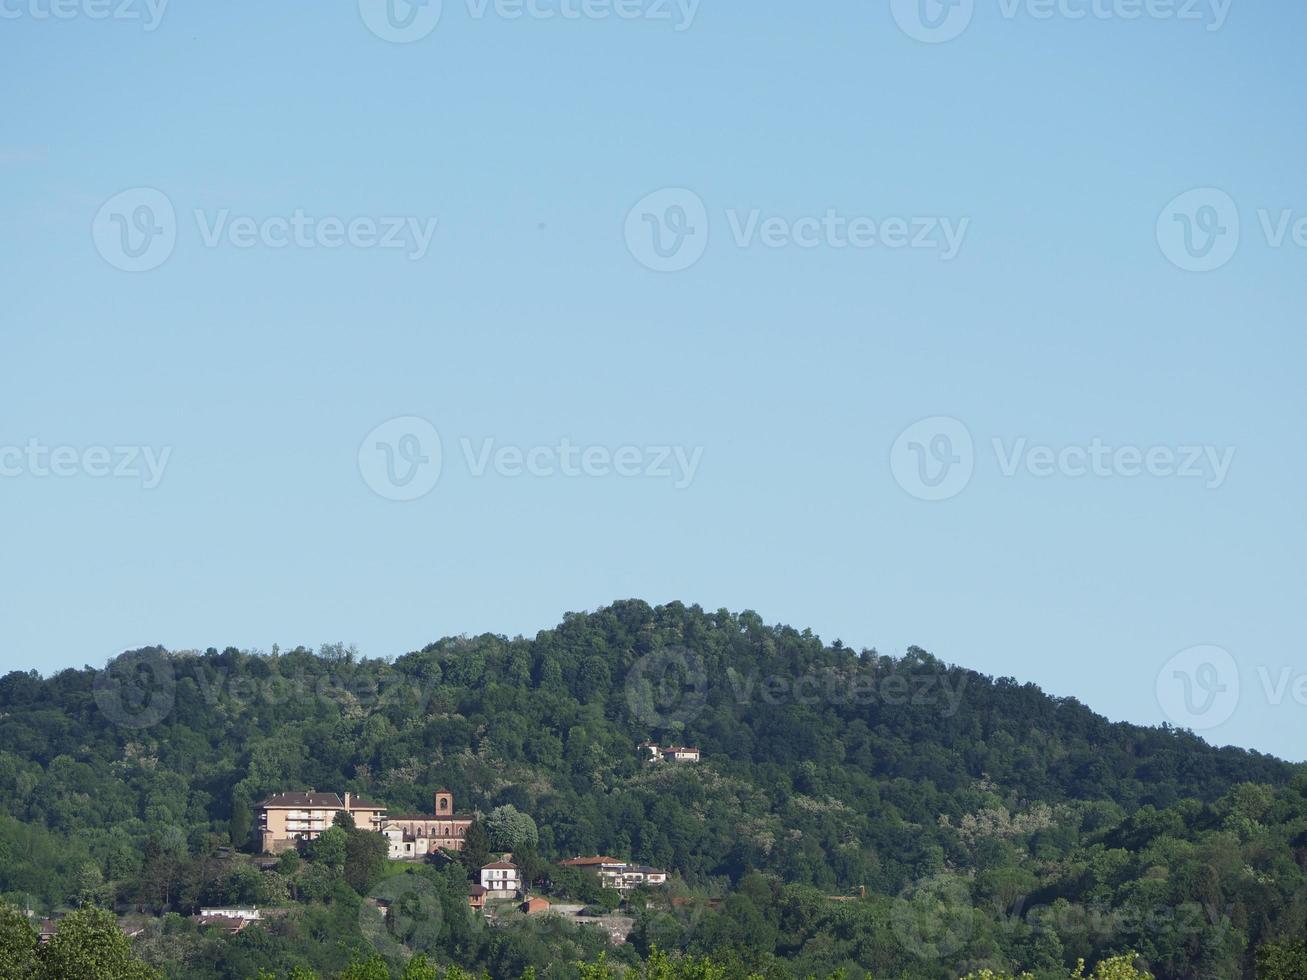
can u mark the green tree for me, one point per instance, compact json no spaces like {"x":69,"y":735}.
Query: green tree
{"x":1282,"y":961}
{"x":18,"y":942}
{"x":91,"y":889}
{"x":365,"y":858}
{"x":241,"y":821}
{"x":420,"y":968}
{"x":288,"y":863}
{"x":372,"y":968}
{"x":88,"y":945}
{"x":476,"y":848}
{"x":508,"y":828}
{"x":330,"y":848}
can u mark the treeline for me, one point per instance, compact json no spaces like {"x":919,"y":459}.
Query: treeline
{"x":964,"y":821}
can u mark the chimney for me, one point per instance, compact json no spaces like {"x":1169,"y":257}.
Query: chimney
{"x":347,"y":801}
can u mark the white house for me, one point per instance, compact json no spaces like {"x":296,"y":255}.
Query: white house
{"x":668,"y":753}
{"x":249,"y":915}
{"x":501,"y":879}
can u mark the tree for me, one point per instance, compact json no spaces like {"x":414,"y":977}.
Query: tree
{"x":420,"y":968}
{"x":508,"y":828}
{"x":330,"y":848}
{"x":365,"y":858}
{"x":373,"y":968}
{"x":288,"y":863}
{"x":91,"y":889}
{"x":476,"y":848}
{"x":18,"y":941}
{"x":241,"y":822}
{"x":343,"y":819}
{"x":1282,"y":961}
{"x":89,"y":945}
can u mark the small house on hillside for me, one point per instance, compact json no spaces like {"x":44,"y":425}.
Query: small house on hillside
{"x":668,"y":753}
{"x":501,"y":879}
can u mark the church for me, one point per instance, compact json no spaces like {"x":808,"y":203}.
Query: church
{"x":413,"y":836}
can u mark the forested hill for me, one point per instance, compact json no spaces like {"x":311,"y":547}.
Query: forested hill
{"x":822,"y":767}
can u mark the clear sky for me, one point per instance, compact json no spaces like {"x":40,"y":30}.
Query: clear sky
{"x":860,"y":225}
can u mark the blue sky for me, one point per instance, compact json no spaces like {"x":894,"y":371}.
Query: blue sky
{"x":753,"y":400}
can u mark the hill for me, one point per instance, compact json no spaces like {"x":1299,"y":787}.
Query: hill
{"x":970,"y":821}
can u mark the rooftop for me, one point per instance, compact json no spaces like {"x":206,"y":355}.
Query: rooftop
{"x":308,"y":798}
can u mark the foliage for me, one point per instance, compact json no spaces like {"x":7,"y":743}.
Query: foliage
{"x":87,"y":945}
{"x":881,"y":816}
{"x":509,"y":829}
{"x":1282,"y":961}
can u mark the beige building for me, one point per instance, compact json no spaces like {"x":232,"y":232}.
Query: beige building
{"x":287,"y":818}
{"x":413,"y":836}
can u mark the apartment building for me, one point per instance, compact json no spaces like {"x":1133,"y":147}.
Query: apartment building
{"x":285,"y":819}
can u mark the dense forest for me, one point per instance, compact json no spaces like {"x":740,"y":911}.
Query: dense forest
{"x":856,"y":813}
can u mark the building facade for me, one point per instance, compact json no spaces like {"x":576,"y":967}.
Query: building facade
{"x":412,"y":836}
{"x":621,"y":876}
{"x":668,"y":753}
{"x":501,"y":879}
{"x":285,"y":819}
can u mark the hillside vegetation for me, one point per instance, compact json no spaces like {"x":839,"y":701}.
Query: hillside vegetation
{"x":889,"y":817}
